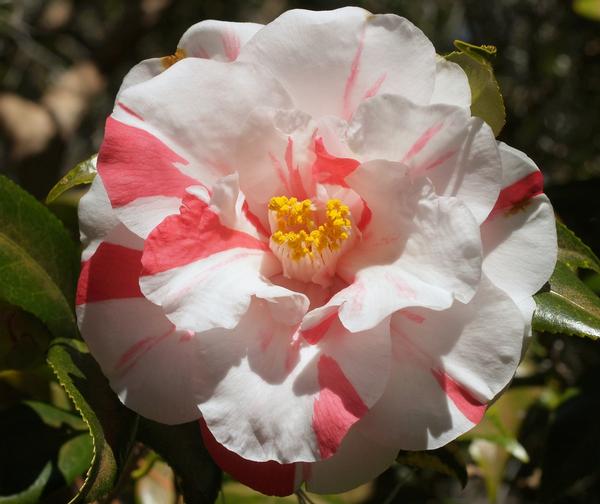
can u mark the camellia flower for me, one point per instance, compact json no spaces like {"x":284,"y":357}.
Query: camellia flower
{"x":300,"y":238}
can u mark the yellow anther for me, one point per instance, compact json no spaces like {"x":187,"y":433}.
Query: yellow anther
{"x":297,"y":228}
{"x":170,"y":60}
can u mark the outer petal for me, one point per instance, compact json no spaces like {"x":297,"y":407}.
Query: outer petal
{"x":419,"y":249}
{"x":519,"y":237}
{"x":451,"y":84}
{"x":203,"y":272}
{"x":98,"y":222}
{"x":147,"y":362}
{"x":165,"y":135}
{"x":457,"y":152}
{"x":217,"y":40}
{"x":337,"y":474}
{"x":359,"y":460}
{"x":210,"y":39}
{"x":269,"y":396}
{"x":446,"y":366}
{"x":331,"y":61}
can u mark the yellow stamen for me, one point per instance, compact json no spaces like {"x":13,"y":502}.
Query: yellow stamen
{"x":298,"y":230}
{"x":168,"y":61}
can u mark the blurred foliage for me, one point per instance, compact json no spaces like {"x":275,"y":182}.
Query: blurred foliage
{"x":61,"y":63}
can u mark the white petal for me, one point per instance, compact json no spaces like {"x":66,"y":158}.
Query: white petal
{"x":330,"y":61}
{"x":141,"y":72}
{"x":217,"y":40}
{"x":358,"y":461}
{"x":451,"y":84}
{"x":418,"y":250}
{"x":457,"y":152}
{"x":204,"y":272}
{"x":196,"y":109}
{"x":271,"y":397}
{"x":148,"y":363}
{"x":519,"y":237}
{"x":447,"y":365}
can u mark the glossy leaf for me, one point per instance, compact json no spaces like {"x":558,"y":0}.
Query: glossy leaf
{"x":181,"y":447}
{"x":446,"y":460}
{"x":38,"y":260}
{"x":111,"y":425}
{"x":486,"y":99}
{"x":573,"y":252}
{"x":568,"y":306}
{"x":83,"y":173}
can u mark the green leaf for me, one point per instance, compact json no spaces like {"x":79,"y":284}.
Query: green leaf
{"x":182,"y":448}
{"x":568,"y":306}
{"x":38,"y":260}
{"x":111,"y":425}
{"x":573,"y":252}
{"x":587,"y":8}
{"x":446,"y":460}
{"x":486,"y":99}
{"x":83,"y":173}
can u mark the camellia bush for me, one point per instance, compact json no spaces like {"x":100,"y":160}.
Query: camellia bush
{"x":305,"y":261}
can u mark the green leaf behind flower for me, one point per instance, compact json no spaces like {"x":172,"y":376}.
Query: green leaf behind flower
{"x":38,"y":260}
{"x":567,"y":305}
{"x":83,"y":173}
{"x":446,"y":460}
{"x":111,"y":425}
{"x":486,"y":99}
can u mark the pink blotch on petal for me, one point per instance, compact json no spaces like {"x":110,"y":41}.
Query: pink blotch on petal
{"x":113,"y":272}
{"x":270,"y":478}
{"x":518,"y":193}
{"x":296,"y":185}
{"x":314,"y":334}
{"x":195,"y":233}
{"x":135,"y":164}
{"x":328,"y":169}
{"x":231,"y":44}
{"x":365,"y":216}
{"x":254,"y":220}
{"x":468,"y":405}
{"x":437,"y":162}
{"x":337,"y":407}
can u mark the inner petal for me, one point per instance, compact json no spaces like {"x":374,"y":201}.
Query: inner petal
{"x":309,"y":237}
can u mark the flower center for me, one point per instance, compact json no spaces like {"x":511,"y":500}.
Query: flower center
{"x":308,"y":240}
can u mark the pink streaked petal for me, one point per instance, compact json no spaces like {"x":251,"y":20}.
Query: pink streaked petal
{"x":421,"y":142}
{"x":136,"y":345}
{"x":337,"y":407}
{"x":132,"y":113}
{"x":135,"y":164}
{"x":192,"y":235}
{"x":270,"y":478}
{"x":460,"y":396}
{"x":328,"y":169}
{"x":111,"y":273}
{"x":218,"y":40}
{"x":441,"y":142}
{"x":315,"y":333}
{"x":330,"y":61}
{"x":515,"y":196}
